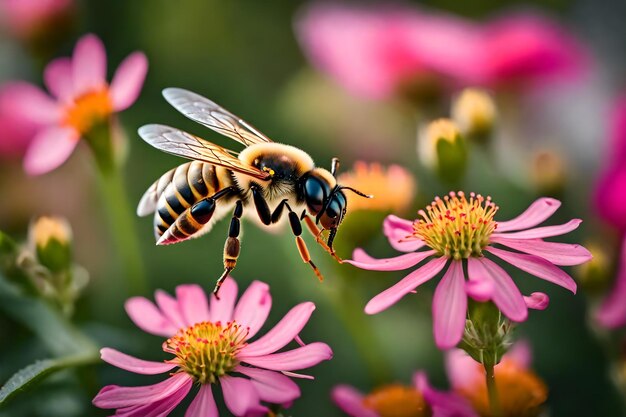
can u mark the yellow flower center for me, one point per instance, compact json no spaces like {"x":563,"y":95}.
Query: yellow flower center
{"x":520,"y":392}
{"x":397,"y":401}
{"x":89,"y":109}
{"x":207,"y":351}
{"x":456,"y":227}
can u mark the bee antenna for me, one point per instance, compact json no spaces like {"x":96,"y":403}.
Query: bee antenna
{"x":357,"y":192}
{"x":334,"y":166}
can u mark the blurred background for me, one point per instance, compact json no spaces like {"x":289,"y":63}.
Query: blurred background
{"x":552,"y":138}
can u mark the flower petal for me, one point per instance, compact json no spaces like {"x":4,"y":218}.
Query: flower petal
{"x":128,"y":80}
{"x":148,"y":317}
{"x":520,"y":353}
{"x":284,"y":332}
{"x":253,"y":307}
{"x":443,"y":404}
{"x":49,"y":149}
{"x":132,"y":364}
{"x":536,"y":266}
{"x":563,"y":254}
{"x":193,"y":303}
{"x":506,"y":295}
{"x":31,"y":103}
{"x":364,"y":261}
{"x":537,"y":301}
{"x":450,"y":307}
{"x":416,"y":278}
{"x":462,"y":370}
{"x":271,"y":386}
{"x":536,"y":213}
{"x":479,"y":289}
{"x":240,"y":395}
{"x":203,"y":405}
{"x":397,"y":231}
{"x":113,"y":396}
{"x":541,"y":232}
{"x":89,"y":65}
{"x":58,"y":78}
{"x":299,"y":358}
{"x":160,"y":408}
{"x":170,"y":308}
{"x":612,"y":311}
{"x":350,"y":401}
{"x":222,"y":309}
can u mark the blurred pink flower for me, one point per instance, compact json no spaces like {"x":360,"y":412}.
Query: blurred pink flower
{"x":609,"y":195}
{"x":375,"y":51}
{"x":420,"y":400}
{"x":455,"y":229}
{"x":612,"y":311}
{"x":27,"y":18}
{"x":16,"y":130}
{"x":81,"y":98}
{"x":210,"y":344}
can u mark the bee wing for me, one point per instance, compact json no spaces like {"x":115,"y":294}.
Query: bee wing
{"x":179,"y":143}
{"x":204,"y":111}
{"x":149,"y":200}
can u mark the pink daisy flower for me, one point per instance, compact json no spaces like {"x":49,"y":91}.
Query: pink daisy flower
{"x":81,"y":99}
{"x":419,"y":400}
{"x":454,"y":231}
{"x":210,"y":347}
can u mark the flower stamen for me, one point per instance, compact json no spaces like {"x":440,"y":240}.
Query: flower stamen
{"x":88,"y":110}
{"x":397,"y":401}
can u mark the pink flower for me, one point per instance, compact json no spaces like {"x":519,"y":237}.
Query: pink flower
{"x":612,"y":311}
{"x":520,"y":391}
{"x":210,"y":344}
{"x":27,"y":18}
{"x":609,"y":196}
{"x":16,"y":129}
{"x":378,"y":51}
{"x":454,"y":231}
{"x":81,"y":98}
{"x":420,"y":400}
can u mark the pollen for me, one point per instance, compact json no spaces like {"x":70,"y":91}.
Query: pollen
{"x":207,"y":351}
{"x":88,"y":110}
{"x":521,"y":392}
{"x":397,"y":401}
{"x":456,"y":227}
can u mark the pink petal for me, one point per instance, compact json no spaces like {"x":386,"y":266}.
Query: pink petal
{"x":49,"y":149}
{"x":148,"y":317}
{"x":450,"y":307}
{"x":350,"y":401}
{"x":612,"y":311}
{"x":160,"y":408}
{"x":284,"y":332}
{"x":506,"y":295}
{"x":537,"y":301}
{"x":479,"y":289}
{"x":89,"y":65}
{"x":128,"y":80}
{"x":222,"y":309}
{"x":113,"y":396}
{"x":253,"y":307}
{"x":520,"y":353}
{"x":462,"y":370}
{"x":364,"y":261}
{"x":193,"y":304}
{"x":31,"y":103}
{"x":416,"y":278}
{"x":563,"y":254}
{"x":536,"y":213}
{"x":299,"y":358}
{"x":541,"y":232}
{"x":443,"y":404}
{"x":58,"y":78}
{"x":203,"y":405}
{"x":536,"y":266}
{"x":170,"y":308}
{"x":132,"y":364}
{"x":240,"y":395}
{"x":399,"y":233}
{"x":271,"y":386}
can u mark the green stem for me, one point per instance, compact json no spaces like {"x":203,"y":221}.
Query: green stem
{"x":123,"y":230}
{"x":492,"y":391}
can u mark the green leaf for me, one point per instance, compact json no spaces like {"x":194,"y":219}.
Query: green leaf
{"x":26,"y":378}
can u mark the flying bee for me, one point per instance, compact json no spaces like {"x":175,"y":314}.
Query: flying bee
{"x":271,"y":177}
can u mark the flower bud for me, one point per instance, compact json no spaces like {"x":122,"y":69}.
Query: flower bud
{"x":487,"y":333}
{"x":51,"y":238}
{"x":442,"y":148}
{"x":548,"y":172}
{"x":475,"y":113}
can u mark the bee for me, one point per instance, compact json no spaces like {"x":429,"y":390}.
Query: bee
{"x":265,"y":180}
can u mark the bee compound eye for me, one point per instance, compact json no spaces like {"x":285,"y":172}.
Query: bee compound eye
{"x":334,"y":212}
{"x":315,"y":192}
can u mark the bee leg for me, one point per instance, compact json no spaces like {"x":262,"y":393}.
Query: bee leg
{"x":262,"y":209}
{"x":232,"y":247}
{"x":296,"y":228}
{"x":317,"y":233}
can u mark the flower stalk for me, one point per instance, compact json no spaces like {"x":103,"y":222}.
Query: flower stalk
{"x":492,"y":391}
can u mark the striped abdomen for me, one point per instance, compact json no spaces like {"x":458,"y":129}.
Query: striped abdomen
{"x":172,"y":196}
